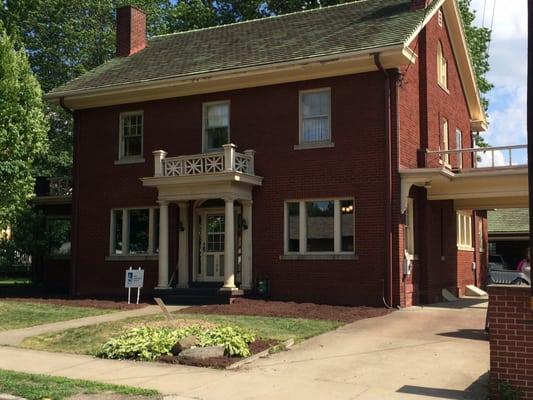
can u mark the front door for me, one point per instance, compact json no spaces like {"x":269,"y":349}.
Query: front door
{"x":211,"y":247}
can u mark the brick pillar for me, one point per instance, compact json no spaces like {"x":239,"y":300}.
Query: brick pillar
{"x":511,"y":341}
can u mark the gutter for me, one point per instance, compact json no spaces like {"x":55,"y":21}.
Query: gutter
{"x":388,"y":296}
{"x":64,"y":107}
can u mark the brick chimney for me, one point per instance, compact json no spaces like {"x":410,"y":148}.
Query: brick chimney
{"x":419,"y":4}
{"x":131,"y":31}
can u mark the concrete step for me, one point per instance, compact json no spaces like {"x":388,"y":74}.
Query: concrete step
{"x":474,"y":291}
{"x":448,"y":296}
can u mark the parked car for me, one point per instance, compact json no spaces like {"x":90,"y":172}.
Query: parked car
{"x":501,"y":272}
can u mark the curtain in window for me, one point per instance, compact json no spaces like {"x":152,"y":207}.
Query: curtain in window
{"x":315,"y":116}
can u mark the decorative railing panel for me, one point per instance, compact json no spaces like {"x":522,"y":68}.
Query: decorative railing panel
{"x":60,"y":186}
{"x":227,"y":160}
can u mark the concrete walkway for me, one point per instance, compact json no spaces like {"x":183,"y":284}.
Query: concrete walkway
{"x":16,"y":336}
{"x":438,"y":352}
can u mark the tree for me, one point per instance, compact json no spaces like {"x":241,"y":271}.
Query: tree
{"x":23,"y":128}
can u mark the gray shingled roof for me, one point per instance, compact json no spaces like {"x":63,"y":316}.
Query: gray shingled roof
{"x":346,"y":28}
{"x":512,"y":220}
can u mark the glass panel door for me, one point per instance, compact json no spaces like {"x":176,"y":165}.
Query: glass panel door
{"x":212,"y":247}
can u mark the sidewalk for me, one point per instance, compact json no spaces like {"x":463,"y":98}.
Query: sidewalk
{"x":16,"y":336}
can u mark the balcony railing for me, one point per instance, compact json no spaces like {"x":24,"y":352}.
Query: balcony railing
{"x":56,"y":187}
{"x":478,"y":158}
{"x":227,"y":160}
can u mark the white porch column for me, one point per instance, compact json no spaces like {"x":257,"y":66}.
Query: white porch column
{"x":247,"y":245}
{"x":229,"y":246}
{"x":163,"y":245}
{"x":183,"y":246}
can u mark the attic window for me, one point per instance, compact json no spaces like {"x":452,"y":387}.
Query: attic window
{"x":439,"y":18}
{"x":442,"y":67}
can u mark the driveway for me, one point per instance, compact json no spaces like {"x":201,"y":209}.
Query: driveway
{"x":437,"y":352}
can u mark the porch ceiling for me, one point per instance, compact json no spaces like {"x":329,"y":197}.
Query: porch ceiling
{"x":470,"y":189}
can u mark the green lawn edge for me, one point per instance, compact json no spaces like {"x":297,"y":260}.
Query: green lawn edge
{"x":89,"y":339}
{"x":37,"y":386}
{"x":20,"y":314}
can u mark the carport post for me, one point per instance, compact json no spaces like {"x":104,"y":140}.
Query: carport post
{"x":530,"y":127}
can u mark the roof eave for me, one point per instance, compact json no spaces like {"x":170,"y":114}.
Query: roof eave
{"x":393,"y":56}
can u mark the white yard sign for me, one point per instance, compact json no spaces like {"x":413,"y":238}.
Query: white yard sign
{"x":134,"y":279}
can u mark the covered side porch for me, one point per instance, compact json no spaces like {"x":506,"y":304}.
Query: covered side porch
{"x":213,"y":193}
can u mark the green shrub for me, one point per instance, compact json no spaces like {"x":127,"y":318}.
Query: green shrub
{"x":146,"y":343}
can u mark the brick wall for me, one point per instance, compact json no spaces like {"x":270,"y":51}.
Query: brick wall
{"x":511,"y":340}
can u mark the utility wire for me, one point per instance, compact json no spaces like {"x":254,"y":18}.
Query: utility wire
{"x":491,"y":24}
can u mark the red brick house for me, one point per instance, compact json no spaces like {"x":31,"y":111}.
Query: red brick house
{"x":302,"y":149}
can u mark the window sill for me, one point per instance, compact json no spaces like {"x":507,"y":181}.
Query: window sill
{"x":133,"y":257}
{"x":319,"y":257}
{"x":465,"y":248}
{"x":130,"y":160}
{"x":317,"y":145}
{"x":444,"y":88}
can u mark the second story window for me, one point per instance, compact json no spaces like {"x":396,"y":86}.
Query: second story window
{"x":131,"y":135}
{"x":442,"y":67}
{"x":445,"y":132}
{"x":315,"y":116}
{"x":216,"y":125}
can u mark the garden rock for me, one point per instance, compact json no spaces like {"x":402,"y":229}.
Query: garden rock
{"x":184,"y":344}
{"x":201,"y":353}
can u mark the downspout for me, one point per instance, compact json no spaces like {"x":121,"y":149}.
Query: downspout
{"x":74,"y":204}
{"x":387,"y":299}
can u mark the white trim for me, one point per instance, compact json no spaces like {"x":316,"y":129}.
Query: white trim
{"x":123,"y":159}
{"x":320,"y":143}
{"x":125,"y":232}
{"x":442,"y":68}
{"x":464,"y":231}
{"x":204,"y":123}
{"x":337,"y":231}
{"x":314,"y":145}
{"x":409,"y":224}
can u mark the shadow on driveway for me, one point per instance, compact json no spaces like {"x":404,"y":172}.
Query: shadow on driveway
{"x":476,"y":391}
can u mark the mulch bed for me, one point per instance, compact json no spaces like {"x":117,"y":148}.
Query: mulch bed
{"x":221,"y":362}
{"x":284,"y":309}
{"x":103,"y":304}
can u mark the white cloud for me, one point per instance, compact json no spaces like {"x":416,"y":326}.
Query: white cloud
{"x":508,"y":61}
{"x":486,"y":159}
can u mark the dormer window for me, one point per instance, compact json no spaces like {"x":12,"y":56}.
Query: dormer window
{"x":442,"y":67}
{"x":216,"y":125}
{"x":131,"y":135}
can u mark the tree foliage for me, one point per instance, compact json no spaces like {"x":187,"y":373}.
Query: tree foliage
{"x":23,"y":129}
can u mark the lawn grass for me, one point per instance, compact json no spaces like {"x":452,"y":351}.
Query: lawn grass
{"x":88,"y":340}
{"x":37,"y":387}
{"x":16,"y":314}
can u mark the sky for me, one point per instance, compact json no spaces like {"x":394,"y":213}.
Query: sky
{"x":508,"y":74}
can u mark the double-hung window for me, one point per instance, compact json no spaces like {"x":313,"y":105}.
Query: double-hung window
{"x":464,"y":230}
{"x":319,"y":227}
{"x":445,"y":141}
{"x":315,"y":116}
{"x":134,"y":231}
{"x":216,"y":125}
{"x":442,"y":67}
{"x":131,"y":135}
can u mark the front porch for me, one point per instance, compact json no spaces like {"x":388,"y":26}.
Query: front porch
{"x":213,"y":194}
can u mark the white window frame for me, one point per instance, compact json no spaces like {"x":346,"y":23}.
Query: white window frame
{"x":459,"y":146}
{"x":481,"y":236}
{"x":121,"y":148}
{"x":445,"y":128}
{"x":409,"y":229}
{"x":337,"y":226}
{"x":151,"y":251}
{"x":204,"y":124}
{"x":442,"y":67}
{"x":464,"y":231}
{"x":318,"y":143}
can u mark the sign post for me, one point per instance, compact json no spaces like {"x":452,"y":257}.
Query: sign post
{"x":134,"y":279}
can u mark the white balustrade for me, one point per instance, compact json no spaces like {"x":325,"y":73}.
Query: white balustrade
{"x":482,"y":157}
{"x":227,"y":160}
